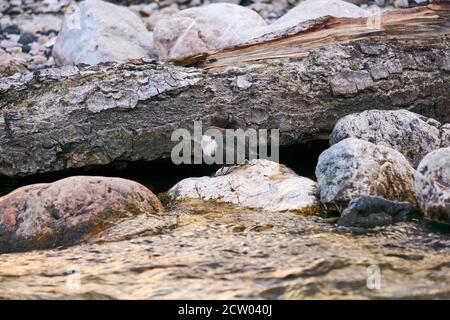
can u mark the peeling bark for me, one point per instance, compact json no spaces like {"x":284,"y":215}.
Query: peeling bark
{"x":57,"y":119}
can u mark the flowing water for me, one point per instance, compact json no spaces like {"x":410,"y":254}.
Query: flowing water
{"x":212,"y":251}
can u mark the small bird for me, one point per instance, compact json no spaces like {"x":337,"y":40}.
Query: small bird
{"x":209,"y":145}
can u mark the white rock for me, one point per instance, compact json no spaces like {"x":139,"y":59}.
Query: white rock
{"x":313,"y":9}
{"x":256,"y":184}
{"x":410,"y":133}
{"x":433,"y":185}
{"x":354,"y":167}
{"x":39,"y":22}
{"x":205,"y":28}
{"x":96,"y":31}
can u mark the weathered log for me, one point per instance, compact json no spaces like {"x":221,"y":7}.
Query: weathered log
{"x":301,"y":83}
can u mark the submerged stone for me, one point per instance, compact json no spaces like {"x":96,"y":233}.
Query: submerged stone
{"x":369,"y":212}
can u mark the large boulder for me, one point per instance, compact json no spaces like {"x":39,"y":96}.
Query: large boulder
{"x":313,"y":9}
{"x":69,"y":210}
{"x":354,"y":167}
{"x":256,"y":184}
{"x":206,"y":28}
{"x":95,"y":31}
{"x":433,"y":185}
{"x":410,"y":133}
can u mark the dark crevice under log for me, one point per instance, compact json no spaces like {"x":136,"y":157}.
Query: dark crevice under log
{"x":58,"y":119}
{"x":160,"y":175}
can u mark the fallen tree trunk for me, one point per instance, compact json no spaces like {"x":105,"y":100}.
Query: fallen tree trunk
{"x":301,"y":83}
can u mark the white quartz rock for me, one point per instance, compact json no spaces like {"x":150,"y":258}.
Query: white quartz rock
{"x":354,"y":167}
{"x":206,"y":28}
{"x":256,"y":184}
{"x":95,"y":31}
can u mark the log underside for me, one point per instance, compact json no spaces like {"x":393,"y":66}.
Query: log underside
{"x":300,"y":83}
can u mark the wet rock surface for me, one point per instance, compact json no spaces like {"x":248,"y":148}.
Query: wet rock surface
{"x":256,"y":184}
{"x":220,"y":252}
{"x":433,"y":185}
{"x":67,"y":211}
{"x":369,"y":212}
{"x":409,"y":133}
{"x":354,"y":167}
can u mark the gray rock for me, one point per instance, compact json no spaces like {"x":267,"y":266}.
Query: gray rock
{"x":369,"y":212}
{"x":409,"y":133}
{"x":96,"y":31}
{"x":256,"y":184}
{"x":433,"y":185}
{"x":354,"y":167}
{"x":67,"y":211}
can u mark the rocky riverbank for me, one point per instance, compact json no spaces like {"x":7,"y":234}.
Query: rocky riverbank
{"x":88,"y":93}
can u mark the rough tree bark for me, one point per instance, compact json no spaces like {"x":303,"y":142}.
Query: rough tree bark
{"x":301,"y":83}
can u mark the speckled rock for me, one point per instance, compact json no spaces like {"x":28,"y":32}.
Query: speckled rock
{"x":96,"y":31}
{"x":69,"y":210}
{"x":354,"y":167}
{"x":433,"y":185}
{"x":313,"y":9}
{"x":445,"y":135}
{"x":206,"y":28}
{"x":256,"y":184}
{"x":409,"y":133}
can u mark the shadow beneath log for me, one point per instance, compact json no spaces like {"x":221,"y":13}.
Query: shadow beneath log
{"x":161,"y":175}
